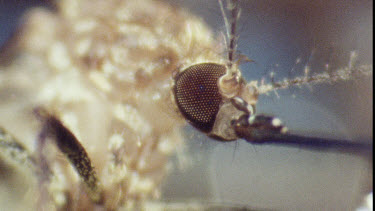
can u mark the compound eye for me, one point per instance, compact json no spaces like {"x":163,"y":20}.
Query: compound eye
{"x":197,"y":94}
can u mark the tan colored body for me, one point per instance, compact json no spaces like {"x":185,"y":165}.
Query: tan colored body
{"x":104,"y":68}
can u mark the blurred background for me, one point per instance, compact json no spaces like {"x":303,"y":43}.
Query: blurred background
{"x":275,"y":34}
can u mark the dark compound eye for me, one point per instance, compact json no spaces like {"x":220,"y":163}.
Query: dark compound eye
{"x":197,"y":94}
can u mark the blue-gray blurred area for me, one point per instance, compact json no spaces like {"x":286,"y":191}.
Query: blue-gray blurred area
{"x":275,"y":34}
{"x":11,"y":14}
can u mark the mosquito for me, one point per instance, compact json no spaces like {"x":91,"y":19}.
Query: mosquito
{"x":209,"y":92}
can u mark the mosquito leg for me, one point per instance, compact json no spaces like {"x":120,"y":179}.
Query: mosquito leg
{"x":11,"y":148}
{"x":43,"y":169}
{"x":72,"y":149}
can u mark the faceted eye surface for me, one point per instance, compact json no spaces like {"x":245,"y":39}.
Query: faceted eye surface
{"x":197,"y":94}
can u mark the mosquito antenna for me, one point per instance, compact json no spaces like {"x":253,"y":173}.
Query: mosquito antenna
{"x":341,"y":74}
{"x":233,"y":7}
{"x":224,"y":16}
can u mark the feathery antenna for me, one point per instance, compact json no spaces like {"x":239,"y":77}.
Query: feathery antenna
{"x":231,"y":27}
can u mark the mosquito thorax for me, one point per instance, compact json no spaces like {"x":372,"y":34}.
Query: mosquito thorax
{"x":198,"y":96}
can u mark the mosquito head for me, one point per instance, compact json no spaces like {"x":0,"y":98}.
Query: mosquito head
{"x":199,"y":97}
{"x":197,"y":94}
